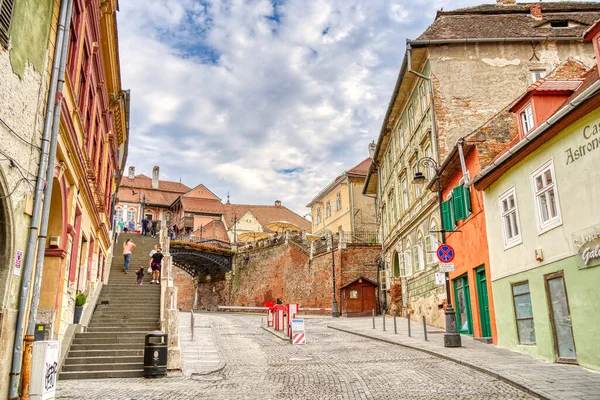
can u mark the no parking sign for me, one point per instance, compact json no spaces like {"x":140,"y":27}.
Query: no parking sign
{"x":445,"y":253}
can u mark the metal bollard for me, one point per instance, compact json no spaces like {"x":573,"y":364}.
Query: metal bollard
{"x":408,"y":322}
{"x":424,"y":328}
{"x":395,"y":326}
{"x":373,"y":311}
{"x":384,"y":320}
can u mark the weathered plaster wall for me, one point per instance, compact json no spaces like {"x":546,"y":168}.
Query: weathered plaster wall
{"x":22,"y":100}
{"x":472,"y":80}
{"x":364,"y":208}
{"x":29,"y":34}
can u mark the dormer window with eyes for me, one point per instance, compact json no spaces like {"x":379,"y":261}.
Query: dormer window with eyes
{"x":560,"y":23}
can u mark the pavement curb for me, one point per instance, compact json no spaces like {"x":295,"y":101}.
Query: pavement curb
{"x":284,"y":338}
{"x":445,"y":357}
{"x":219,"y":368}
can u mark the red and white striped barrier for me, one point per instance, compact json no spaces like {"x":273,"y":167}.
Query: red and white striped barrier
{"x":298,"y":338}
{"x":313,"y":309}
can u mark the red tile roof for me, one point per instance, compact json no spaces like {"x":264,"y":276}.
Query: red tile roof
{"x":362,"y":168}
{"x":152,"y":197}
{"x":206,"y":206}
{"x":265,"y":214}
{"x":545,"y":85}
{"x":143,"y":182}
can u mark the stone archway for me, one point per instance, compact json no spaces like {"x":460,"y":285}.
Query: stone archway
{"x":6,"y":236}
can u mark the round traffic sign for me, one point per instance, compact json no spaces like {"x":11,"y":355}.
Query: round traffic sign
{"x":445,"y":253}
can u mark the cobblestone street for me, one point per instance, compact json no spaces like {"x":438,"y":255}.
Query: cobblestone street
{"x":333,"y":365}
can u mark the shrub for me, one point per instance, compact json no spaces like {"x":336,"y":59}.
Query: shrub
{"x":80,"y":299}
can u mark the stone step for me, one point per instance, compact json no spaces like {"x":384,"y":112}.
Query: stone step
{"x":104,"y":360}
{"x":116,"y":335}
{"x":106,"y":353}
{"x":111,"y":328}
{"x":107,"y":346}
{"x":123,"y":321}
{"x":103,"y":367}
{"x":134,"y":340}
{"x":102,"y":374}
{"x":127,"y":314}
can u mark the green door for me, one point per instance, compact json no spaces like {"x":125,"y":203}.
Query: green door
{"x":482,"y":299}
{"x":462,"y":302}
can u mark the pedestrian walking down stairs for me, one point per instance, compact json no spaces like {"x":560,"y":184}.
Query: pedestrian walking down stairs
{"x":113,"y":345}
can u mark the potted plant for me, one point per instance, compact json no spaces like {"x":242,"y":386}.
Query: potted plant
{"x":80,"y":301}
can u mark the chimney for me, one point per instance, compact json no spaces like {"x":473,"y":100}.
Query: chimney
{"x":535,"y":10}
{"x":506,"y":2}
{"x":155,"y":177}
{"x":372,"y":146}
{"x":277,"y":203}
{"x":131,"y":172}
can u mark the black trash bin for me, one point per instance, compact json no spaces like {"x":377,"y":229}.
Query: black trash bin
{"x":155,"y":354}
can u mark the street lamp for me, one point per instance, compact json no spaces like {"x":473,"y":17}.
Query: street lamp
{"x":451,"y":336}
{"x":334,"y":305}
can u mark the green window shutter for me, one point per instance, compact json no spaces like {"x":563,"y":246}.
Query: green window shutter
{"x":460,"y":209}
{"x":447,"y":223}
{"x":468,"y":200}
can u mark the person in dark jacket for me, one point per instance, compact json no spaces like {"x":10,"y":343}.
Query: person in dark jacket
{"x":144,"y":226}
{"x":140,"y":276}
{"x":155,"y":264}
{"x":154,"y":225}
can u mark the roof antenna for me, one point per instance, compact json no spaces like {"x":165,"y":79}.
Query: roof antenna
{"x":228,"y":198}
{"x":179,"y":179}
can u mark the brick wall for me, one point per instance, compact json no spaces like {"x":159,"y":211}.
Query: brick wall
{"x":282,"y":271}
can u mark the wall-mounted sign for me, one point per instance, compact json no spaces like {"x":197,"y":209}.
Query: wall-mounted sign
{"x":446,"y":267}
{"x":586,"y":243}
{"x":18,"y":262}
{"x":590,"y":135}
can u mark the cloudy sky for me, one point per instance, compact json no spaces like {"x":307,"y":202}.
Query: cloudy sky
{"x":265,"y":99}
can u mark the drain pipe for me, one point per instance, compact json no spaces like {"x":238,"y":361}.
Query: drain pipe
{"x":15,"y":374}
{"x":463,"y":165}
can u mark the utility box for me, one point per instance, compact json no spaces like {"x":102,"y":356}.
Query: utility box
{"x":40,"y":332}
{"x":44,"y":370}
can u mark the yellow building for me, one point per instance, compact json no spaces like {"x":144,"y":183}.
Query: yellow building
{"x":90,"y":158}
{"x":341,"y":206}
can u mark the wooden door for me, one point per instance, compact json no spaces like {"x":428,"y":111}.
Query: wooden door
{"x":560,"y":316}
{"x":482,"y":299}
{"x":368,"y":296}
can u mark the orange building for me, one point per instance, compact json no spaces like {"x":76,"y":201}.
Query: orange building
{"x":470,"y":284}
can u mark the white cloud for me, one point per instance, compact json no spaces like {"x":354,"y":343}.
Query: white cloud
{"x":260,"y":104}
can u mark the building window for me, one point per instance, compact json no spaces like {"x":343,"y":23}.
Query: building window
{"x":422,"y":255}
{"x":429,"y":249}
{"x":510,"y":218}
{"x":390,"y":162}
{"x":318,"y":215}
{"x":417,"y":257}
{"x":400,"y":137}
{"x":415,"y":169}
{"x":131,"y":214}
{"x":527,"y":120}
{"x":429,"y":153}
{"x":523,"y":313}
{"x":537,"y":74}
{"x":397,"y":270}
{"x":405,"y":193}
{"x":392,"y":203}
{"x":407,"y":262}
{"x":6,"y":11}
{"x":546,"y":197}
{"x":384,"y":220}
{"x":119,"y":215}
{"x":354,"y":294}
{"x":328,"y":209}
{"x":411,"y":119}
{"x":338,"y":201}
{"x":423,"y":95}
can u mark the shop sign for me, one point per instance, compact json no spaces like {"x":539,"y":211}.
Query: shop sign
{"x":586,"y":244}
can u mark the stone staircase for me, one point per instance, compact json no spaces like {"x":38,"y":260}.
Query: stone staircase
{"x":113,"y":345}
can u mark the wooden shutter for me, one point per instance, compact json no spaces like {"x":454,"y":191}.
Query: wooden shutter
{"x":447,"y":223}
{"x":6,"y":10}
{"x":468,"y":200}
{"x":460,"y":210}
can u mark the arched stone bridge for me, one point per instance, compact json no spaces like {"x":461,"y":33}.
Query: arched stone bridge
{"x":201,"y":261}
